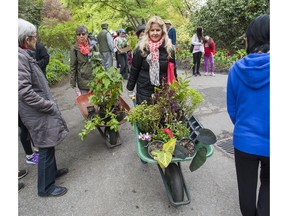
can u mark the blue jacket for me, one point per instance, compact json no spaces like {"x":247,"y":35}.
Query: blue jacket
{"x":248,"y":103}
{"x":172,"y":35}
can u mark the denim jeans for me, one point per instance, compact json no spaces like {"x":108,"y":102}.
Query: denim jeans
{"x":209,"y":58}
{"x":123,"y":61}
{"x":47,"y":170}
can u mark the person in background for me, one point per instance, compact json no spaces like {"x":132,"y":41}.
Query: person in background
{"x":209,"y":52}
{"x":80,"y":60}
{"x":21,"y":174}
{"x":140,"y":31}
{"x":106,"y":46}
{"x":122,"y":55}
{"x":150,"y":60}
{"x":115,"y":39}
{"x":171,"y":32}
{"x":198,"y":50}
{"x":39,"y":112}
{"x":248,"y":105}
{"x":32,"y":155}
{"x":42,"y":57}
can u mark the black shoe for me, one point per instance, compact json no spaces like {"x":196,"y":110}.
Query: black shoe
{"x":198,"y":74}
{"x":57,"y":192}
{"x":20,"y":186}
{"x":22,"y":173}
{"x":61,"y":172}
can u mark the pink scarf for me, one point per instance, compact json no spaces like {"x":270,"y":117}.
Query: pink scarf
{"x":153,"y":61}
{"x":154,"y":49}
{"x":84,"y":49}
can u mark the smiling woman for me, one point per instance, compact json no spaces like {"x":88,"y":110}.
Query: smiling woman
{"x":150,"y":60}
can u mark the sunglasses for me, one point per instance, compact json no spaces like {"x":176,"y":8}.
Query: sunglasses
{"x":83,"y":34}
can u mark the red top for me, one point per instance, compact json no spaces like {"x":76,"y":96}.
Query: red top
{"x":208,"y":51}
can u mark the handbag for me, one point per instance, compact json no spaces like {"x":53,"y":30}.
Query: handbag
{"x":170,"y":72}
{"x":191,"y":48}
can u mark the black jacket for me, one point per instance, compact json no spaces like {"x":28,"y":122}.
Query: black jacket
{"x":42,"y":57}
{"x":139,"y":73}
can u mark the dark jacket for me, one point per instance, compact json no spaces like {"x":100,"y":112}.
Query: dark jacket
{"x":37,"y":109}
{"x":248,"y":103}
{"x":80,"y":68}
{"x":139,"y":73}
{"x":42,"y":57}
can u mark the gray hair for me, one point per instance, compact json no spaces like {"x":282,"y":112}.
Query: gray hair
{"x":80,"y":29}
{"x":25,"y":29}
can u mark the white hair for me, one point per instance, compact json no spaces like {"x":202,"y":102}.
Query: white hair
{"x":25,"y":29}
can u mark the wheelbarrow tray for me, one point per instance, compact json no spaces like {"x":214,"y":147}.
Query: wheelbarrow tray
{"x":82,"y":102}
{"x":143,"y":154}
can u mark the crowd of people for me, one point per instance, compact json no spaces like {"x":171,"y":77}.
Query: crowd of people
{"x":43,"y":127}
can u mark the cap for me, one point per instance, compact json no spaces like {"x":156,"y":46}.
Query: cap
{"x":104,"y":25}
{"x":140,"y":28}
{"x":168,"y":22}
{"x":121,"y":30}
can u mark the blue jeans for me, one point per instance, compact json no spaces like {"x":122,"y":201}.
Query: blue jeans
{"x":47,"y":170}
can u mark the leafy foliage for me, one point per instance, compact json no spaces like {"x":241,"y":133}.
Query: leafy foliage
{"x":56,"y":67}
{"x":226,"y":21}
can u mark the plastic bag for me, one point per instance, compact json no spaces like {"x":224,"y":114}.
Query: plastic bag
{"x":170,"y":72}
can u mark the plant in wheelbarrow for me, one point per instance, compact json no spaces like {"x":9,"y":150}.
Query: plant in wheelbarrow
{"x":106,"y":88}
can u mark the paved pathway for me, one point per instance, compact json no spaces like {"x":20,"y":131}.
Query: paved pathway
{"x":112,"y":182}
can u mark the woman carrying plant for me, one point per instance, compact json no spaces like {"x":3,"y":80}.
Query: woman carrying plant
{"x":80,"y":60}
{"x":150,"y":60}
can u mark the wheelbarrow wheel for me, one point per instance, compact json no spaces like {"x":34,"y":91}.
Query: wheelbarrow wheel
{"x":111,"y":135}
{"x":175,"y":182}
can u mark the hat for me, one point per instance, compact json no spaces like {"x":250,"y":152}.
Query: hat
{"x":121,"y":30}
{"x":168,"y":22}
{"x":104,"y":25}
{"x":140,"y":28}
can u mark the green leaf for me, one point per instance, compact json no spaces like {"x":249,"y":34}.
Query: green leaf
{"x":180,"y":152}
{"x":199,"y":159}
{"x":170,"y":146}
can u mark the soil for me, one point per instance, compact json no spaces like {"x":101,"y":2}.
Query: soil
{"x":189,"y":145}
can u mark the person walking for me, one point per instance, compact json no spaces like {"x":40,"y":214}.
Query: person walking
{"x":106,"y":46}
{"x":248,"y":105}
{"x":121,"y":45}
{"x":209,"y":52}
{"x":198,"y":50}
{"x":150,"y":60}
{"x":171,"y":32}
{"x":42,"y":57}
{"x":80,"y":60}
{"x":39,"y":112}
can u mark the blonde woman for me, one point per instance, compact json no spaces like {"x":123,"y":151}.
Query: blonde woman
{"x":150,"y":60}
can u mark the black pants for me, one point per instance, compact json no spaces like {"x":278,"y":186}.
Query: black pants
{"x":25,"y":137}
{"x":247,"y":166}
{"x":196,"y":62}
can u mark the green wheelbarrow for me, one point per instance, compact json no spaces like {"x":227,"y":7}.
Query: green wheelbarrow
{"x":172,"y":176}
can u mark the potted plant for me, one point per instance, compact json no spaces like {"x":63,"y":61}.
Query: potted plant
{"x":106,"y":88}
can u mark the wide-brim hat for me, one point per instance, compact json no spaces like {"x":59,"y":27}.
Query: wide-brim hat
{"x":104,"y":25}
{"x":122,"y":31}
{"x":168,"y":22}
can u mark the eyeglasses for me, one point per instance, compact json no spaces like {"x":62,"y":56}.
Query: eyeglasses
{"x":33,"y":36}
{"x":83,"y":34}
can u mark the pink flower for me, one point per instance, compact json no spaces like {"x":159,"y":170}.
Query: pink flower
{"x":170,"y":134}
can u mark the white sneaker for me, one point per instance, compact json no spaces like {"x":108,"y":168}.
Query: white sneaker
{"x":206,"y":73}
{"x":212,"y":74}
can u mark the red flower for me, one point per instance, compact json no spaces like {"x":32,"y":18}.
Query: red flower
{"x":170,"y":134}
{"x":223,"y":47}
